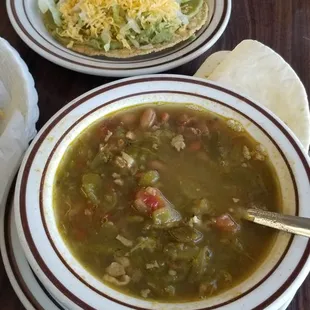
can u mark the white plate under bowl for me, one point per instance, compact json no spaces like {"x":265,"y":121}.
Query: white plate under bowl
{"x":27,"y":22}
{"x":26,"y":285}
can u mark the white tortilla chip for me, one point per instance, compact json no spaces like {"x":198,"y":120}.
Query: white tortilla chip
{"x":257,"y":71}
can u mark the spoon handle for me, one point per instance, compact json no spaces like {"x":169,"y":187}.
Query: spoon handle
{"x":292,"y":224}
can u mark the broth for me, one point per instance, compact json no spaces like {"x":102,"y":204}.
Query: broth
{"x":148,"y":201}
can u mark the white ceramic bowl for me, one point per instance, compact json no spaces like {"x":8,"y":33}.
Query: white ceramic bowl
{"x":27,"y":22}
{"x":277,"y":278}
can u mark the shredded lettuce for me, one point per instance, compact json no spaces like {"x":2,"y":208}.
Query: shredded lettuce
{"x":117,"y":15}
{"x":106,"y":38}
{"x":183,"y":18}
{"x":50,"y":5}
{"x":43,"y":6}
{"x":134,"y":42}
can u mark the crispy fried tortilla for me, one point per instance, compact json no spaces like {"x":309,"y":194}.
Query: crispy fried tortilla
{"x":181,"y":34}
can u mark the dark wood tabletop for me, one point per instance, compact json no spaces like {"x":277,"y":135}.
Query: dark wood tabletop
{"x":284,"y":25}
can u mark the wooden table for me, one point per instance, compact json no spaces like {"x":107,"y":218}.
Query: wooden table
{"x":284,"y":25}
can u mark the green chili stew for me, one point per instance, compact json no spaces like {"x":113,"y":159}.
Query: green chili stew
{"x":147,"y":200}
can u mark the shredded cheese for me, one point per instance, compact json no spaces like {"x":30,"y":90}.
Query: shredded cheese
{"x":84,"y":19}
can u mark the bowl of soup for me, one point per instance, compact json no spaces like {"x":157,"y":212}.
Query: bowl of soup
{"x":130,"y":197}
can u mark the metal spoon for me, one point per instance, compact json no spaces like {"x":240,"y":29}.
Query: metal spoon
{"x":292,"y":224}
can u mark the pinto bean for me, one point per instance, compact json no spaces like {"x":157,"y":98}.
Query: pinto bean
{"x":148,"y":118}
{"x":165,"y":117}
{"x":128,"y":118}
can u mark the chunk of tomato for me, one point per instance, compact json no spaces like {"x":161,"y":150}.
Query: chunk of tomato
{"x":150,"y":198}
{"x":226,"y":223}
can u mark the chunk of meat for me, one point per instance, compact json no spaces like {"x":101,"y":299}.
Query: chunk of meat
{"x":88,"y":212}
{"x":130,"y":135}
{"x":260,"y":153}
{"x":152,"y":265}
{"x":126,"y":242}
{"x":235,"y":125}
{"x":145,"y":293}
{"x":108,"y":136}
{"x":123,"y":280}
{"x":191,"y":132}
{"x":129,"y":160}
{"x":124,"y":261}
{"x":226,"y":223}
{"x":195,"y":220}
{"x":124,"y":161}
{"x":246,"y":153}
{"x":172,"y":272}
{"x":116,"y":175}
{"x":119,"y":182}
{"x":120,"y":162}
{"x":178,"y":142}
{"x":115,"y":269}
